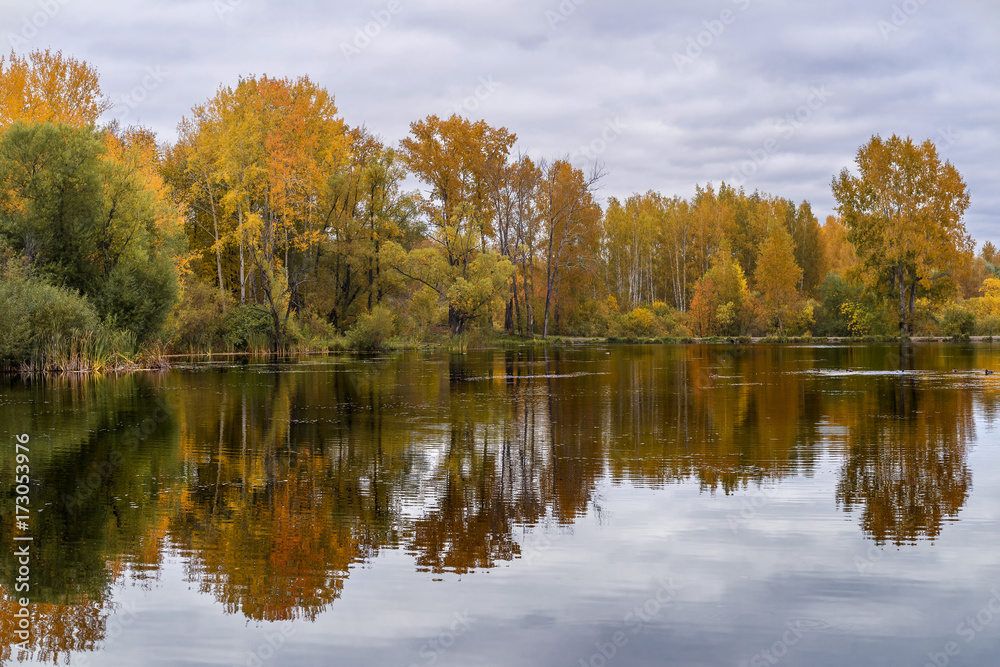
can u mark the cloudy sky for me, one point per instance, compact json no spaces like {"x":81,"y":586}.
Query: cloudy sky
{"x":772,"y":95}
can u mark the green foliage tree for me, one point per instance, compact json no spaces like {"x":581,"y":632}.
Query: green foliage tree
{"x":465,"y":277}
{"x":78,"y":205}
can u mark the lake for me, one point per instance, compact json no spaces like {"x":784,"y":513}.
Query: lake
{"x":608,"y":505}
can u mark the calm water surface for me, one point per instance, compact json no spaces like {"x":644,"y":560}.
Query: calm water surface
{"x":688,"y":505}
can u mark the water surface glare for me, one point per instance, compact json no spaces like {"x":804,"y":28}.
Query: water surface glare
{"x":629,"y":505}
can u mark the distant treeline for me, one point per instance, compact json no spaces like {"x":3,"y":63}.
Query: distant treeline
{"x":270,"y":224}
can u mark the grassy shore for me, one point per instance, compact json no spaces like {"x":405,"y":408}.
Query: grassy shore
{"x":93,"y":354}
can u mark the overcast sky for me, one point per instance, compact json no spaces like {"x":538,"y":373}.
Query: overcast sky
{"x":773,"y":95}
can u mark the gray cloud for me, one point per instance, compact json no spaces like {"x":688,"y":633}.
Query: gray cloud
{"x":696,"y":88}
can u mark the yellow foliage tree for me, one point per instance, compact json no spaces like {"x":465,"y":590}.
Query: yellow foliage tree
{"x":777,"y":277}
{"x":904,"y":212}
{"x":46,"y":86}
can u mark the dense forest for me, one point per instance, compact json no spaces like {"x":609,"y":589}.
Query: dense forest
{"x":271,"y":224}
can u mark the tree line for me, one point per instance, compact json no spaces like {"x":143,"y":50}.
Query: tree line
{"x":270,"y":223}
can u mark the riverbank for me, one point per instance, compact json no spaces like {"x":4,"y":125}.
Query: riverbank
{"x":159,"y":360}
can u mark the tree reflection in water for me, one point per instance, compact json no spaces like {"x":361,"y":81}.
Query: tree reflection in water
{"x":271,"y":484}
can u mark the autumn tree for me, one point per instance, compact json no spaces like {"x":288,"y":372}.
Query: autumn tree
{"x":904,"y":216}
{"x":989,"y":253}
{"x":86,"y":211}
{"x":805,"y":232}
{"x":675,"y":235}
{"x":513,"y":187}
{"x":721,"y":296}
{"x":837,"y":254}
{"x":46,"y":86}
{"x":253,"y":165}
{"x":778,"y":277}
{"x":467,"y":278}
{"x":710,"y":220}
{"x":367,"y":208}
{"x":570,"y":224}
{"x":456,"y":158}
{"x":630,"y":248}
{"x":522,"y":182}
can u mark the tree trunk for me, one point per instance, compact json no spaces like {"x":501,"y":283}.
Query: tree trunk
{"x":904,"y":328}
{"x":913,"y":298}
{"x":517,"y":309}
{"x":455,"y":322}
{"x":243,"y":278}
{"x":218,"y":252}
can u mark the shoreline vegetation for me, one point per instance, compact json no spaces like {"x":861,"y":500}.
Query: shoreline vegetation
{"x":156,"y":361}
{"x":271,"y":227}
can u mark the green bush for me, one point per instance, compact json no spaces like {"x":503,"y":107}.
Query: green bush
{"x":988,"y":326}
{"x":247,"y":328}
{"x":372,"y":330}
{"x":36,"y":318}
{"x":834,"y":292}
{"x":199,"y":320}
{"x":957,"y":320}
{"x":138,"y":299}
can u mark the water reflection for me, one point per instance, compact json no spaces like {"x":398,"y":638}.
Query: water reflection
{"x":270,"y":483}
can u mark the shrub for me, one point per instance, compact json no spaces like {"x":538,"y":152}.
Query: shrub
{"x":36,"y":318}
{"x":138,"y":299}
{"x":830,"y":317}
{"x":988,"y":326}
{"x":426,"y":309}
{"x":957,"y":320}
{"x":199,"y":319}
{"x":247,"y":328}
{"x":657,"y":320}
{"x":372,"y":330}
{"x":641,"y":322}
